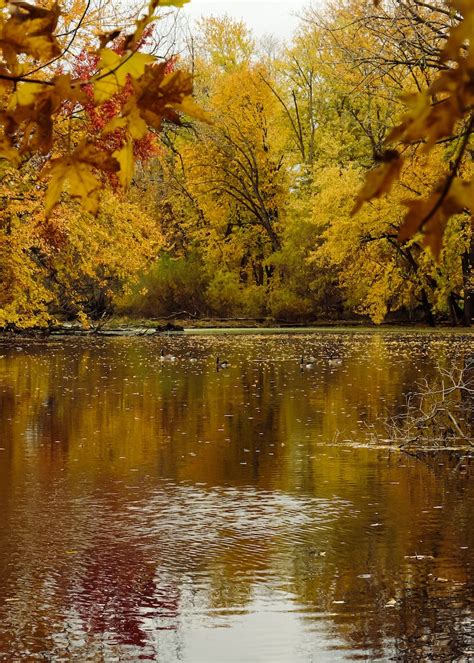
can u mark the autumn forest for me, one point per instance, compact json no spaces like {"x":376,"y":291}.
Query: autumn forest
{"x":236,"y":202}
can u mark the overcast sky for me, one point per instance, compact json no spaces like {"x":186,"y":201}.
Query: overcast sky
{"x":274,"y":17}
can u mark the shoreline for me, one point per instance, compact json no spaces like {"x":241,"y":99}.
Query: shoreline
{"x":154,"y":327}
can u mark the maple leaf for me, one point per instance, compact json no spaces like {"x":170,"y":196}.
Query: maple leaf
{"x":114,"y":71}
{"x":25,"y":94}
{"x":159,"y":95}
{"x":426,"y":122}
{"x":77,"y":171}
{"x":461,"y":33}
{"x":189,"y":107}
{"x":8,"y":152}
{"x":131,"y":120}
{"x":379,"y":180}
{"x":67,"y":88}
{"x":461,"y":196}
{"x":81,"y":179}
{"x":431,"y":215}
{"x":29,"y":30}
{"x":95,"y":156}
{"x":124,"y":156}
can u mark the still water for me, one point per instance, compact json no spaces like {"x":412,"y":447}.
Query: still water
{"x":169,"y":511}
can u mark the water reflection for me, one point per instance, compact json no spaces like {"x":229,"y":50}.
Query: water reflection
{"x":168,"y":511}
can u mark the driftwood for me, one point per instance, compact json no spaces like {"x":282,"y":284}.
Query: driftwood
{"x":438,"y":413}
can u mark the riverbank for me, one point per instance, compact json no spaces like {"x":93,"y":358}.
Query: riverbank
{"x":150,"y":327}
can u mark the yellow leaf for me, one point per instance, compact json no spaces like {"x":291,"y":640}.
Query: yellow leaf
{"x":433,"y":233}
{"x":115,"y":123}
{"x":125,"y":158}
{"x":89,"y":153}
{"x":460,"y":33}
{"x":136,"y":124}
{"x":106,"y":83}
{"x":8,"y":152}
{"x":379,"y":180}
{"x":461,"y":196}
{"x":134,"y":64}
{"x":66,"y":88}
{"x":189,"y":107}
{"x":430,"y":215}
{"x":114,"y":70}
{"x":30,"y":31}
{"x":132,"y":121}
{"x":25,"y":94}
{"x":57,"y":169}
{"x":419,"y":210}
{"x":160,"y":95}
{"x":79,"y":176}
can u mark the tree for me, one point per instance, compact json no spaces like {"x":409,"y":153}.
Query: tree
{"x":80,"y":110}
{"x":229,"y":178}
{"x":379,"y":56}
{"x":441,"y":112}
{"x":71,"y":263}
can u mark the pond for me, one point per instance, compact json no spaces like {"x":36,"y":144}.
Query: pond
{"x":165,"y":510}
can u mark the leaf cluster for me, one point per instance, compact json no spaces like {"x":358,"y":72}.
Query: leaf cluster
{"x":43,"y":103}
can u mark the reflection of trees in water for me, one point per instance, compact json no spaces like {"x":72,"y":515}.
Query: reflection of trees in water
{"x":445,"y":631}
{"x":118,"y":590}
{"x":113,"y":408}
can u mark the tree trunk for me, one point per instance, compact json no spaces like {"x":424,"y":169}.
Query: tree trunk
{"x":427,"y":308}
{"x":425,"y":302}
{"x":258,"y":271}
